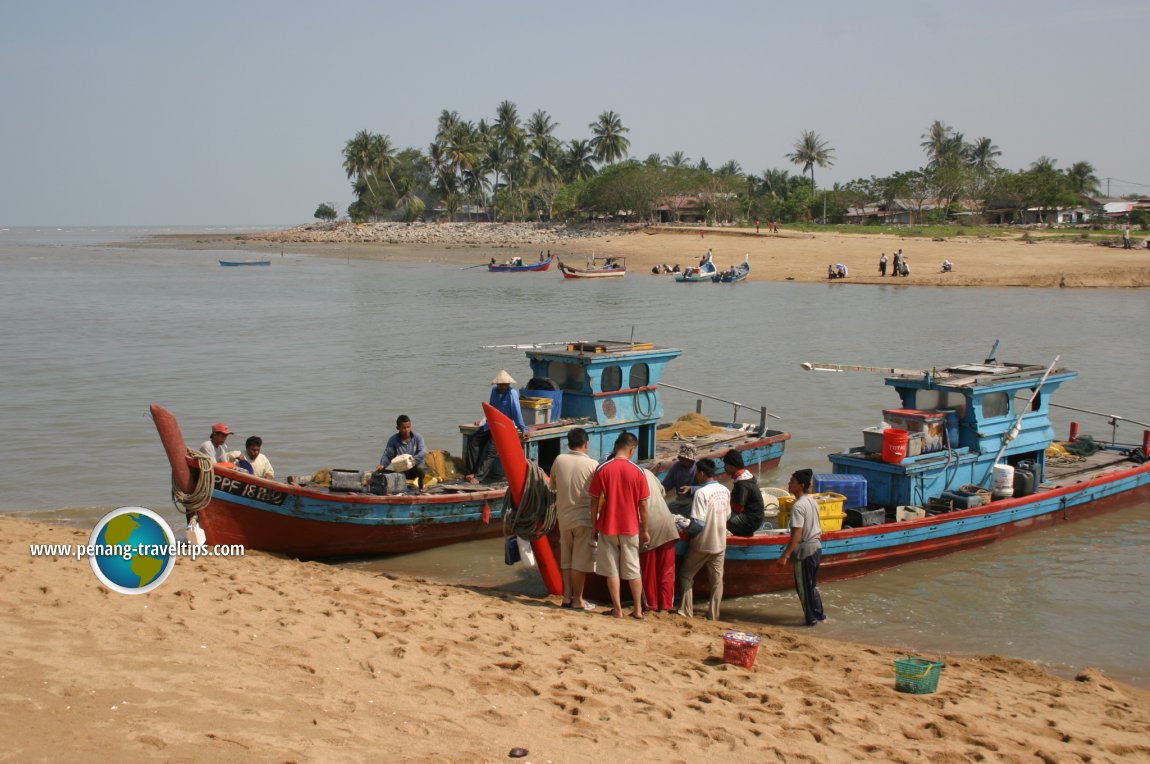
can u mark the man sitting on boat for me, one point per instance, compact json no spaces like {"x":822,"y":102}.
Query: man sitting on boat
{"x":214,"y":445}
{"x":482,"y":458}
{"x":747,"y":509}
{"x":253,"y":460}
{"x":407,"y":441}
{"x":679,"y":483}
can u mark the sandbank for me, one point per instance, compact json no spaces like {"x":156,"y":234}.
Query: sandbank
{"x":260,"y":658}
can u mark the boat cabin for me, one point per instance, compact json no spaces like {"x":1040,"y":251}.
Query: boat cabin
{"x":959,"y":420}
{"x":605,"y":387}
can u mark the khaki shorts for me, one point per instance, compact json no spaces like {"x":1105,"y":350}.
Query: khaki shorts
{"x":576,"y":550}
{"x":618,"y":557}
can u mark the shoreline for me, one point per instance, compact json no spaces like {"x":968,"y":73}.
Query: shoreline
{"x":800,"y":257}
{"x":230,"y":652}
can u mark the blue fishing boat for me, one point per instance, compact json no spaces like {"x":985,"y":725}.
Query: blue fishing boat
{"x":604,"y":387}
{"x":974,"y":461}
{"x":517,"y":265}
{"x":734,"y":274}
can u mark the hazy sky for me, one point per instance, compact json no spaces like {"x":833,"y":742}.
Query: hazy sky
{"x":236,"y":113}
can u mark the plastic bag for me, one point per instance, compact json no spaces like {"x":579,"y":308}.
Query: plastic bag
{"x":526,"y":553}
{"x":194,"y":533}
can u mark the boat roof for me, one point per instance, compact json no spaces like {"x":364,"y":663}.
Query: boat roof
{"x":973,"y":375}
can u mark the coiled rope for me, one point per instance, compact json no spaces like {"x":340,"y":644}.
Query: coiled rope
{"x":201,"y":493}
{"x":534,"y":516}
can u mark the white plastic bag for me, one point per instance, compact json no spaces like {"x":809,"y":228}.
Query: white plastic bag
{"x":194,"y":533}
{"x":526,"y":554}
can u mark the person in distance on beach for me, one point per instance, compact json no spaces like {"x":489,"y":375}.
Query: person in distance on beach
{"x":214,"y":445}
{"x":571,"y":475}
{"x":882,"y":265}
{"x":805,"y":547}
{"x":707,"y":528}
{"x":619,"y":494}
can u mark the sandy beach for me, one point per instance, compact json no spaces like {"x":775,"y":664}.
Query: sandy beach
{"x":259,"y":658}
{"x":784,"y":256}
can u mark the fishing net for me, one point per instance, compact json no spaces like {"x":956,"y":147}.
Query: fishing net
{"x":687,"y":426}
{"x":1083,"y":446}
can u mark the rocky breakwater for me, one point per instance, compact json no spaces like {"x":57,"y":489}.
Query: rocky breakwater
{"x":440,"y":234}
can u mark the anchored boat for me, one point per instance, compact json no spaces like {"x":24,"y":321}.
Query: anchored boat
{"x":598,"y":268}
{"x":604,"y":387}
{"x":517,"y":265}
{"x":976,"y":465}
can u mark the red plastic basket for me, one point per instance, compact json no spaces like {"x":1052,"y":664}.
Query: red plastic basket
{"x":740,"y":649}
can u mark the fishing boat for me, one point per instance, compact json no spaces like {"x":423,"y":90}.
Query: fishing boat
{"x":704,"y":272}
{"x":985,"y":467}
{"x":604,"y":387}
{"x":236,"y":263}
{"x":516,"y":265}
{"x":734,"y":274}
{"x":598,"y":268}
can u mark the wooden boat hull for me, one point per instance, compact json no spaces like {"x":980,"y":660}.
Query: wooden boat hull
{"x":525,"y":268}
{"x":592,"y":273}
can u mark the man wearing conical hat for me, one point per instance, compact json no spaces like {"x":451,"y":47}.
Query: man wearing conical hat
{"x":482,"y":458}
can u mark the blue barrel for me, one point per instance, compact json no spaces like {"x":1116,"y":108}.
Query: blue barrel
{"x":951,"y":427}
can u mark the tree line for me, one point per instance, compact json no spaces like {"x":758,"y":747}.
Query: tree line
{"x":514,"y":169}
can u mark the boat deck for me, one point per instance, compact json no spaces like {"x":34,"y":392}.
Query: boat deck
{"x":1063,"y":472}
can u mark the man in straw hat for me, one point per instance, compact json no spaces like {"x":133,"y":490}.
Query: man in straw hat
{"x":482,"y":459}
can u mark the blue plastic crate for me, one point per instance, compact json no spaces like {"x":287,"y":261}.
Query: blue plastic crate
{"x":851,"y":486}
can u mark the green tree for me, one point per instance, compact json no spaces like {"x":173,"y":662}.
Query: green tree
{"x":943,"y":145}
{"x":810,"y":150}
{"x":610,"y":143}
{"x":577,"y":164}
{"x":1082,"y":179}
{"x":326,"y":211}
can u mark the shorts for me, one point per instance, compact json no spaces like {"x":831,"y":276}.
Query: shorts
{"x":576,"y":549}
{"x":618,"y":557}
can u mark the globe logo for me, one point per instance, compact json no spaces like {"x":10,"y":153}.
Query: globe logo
{"x":131,"y":550}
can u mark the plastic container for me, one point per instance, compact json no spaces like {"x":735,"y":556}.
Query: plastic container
{"x":740,"y":648}
{"x":853,"y":487}
{"x":863,"y":517}
{"x":1002,"y":482}
{"x":535,"y":410}
{"x":917,"y":675}
{"x":346,"y":480}
{"x":831,"y":513}
{"x":951,"y":427}
{"x":555,"y":396}
{"x":932,"y":424}
{"x":894,"y":445}
{"x":872,"y":440}
{"x":904,"y":512}
{"x":1023,"y":482}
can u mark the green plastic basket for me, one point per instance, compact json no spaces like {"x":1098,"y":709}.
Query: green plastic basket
{"x":917,"y":675}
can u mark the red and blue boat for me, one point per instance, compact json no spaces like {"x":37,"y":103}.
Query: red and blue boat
{"x":516,"y":265}
{"x":604,"y":387}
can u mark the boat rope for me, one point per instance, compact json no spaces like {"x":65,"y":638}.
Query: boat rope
{"x":534,"y":517}
{"x":201,"y":493}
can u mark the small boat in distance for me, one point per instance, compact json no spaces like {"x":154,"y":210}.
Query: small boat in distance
{"x":696,"y":273}
{"x":253,"y":261}
{"x":598,"y":268}
{"x":734,"y":274}
{"x":516,"y":265}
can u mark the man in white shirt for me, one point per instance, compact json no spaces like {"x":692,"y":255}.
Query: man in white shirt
{"x":707,"y":528}
{"x":260,"y":466}
{"x":214,"y":445}
{"x":571,"y":475}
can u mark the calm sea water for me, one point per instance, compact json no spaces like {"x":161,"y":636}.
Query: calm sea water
{"x":318,"y":356}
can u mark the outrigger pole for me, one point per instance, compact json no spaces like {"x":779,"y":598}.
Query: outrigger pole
{"x":808,"y":366}
{"x":531,"y":345}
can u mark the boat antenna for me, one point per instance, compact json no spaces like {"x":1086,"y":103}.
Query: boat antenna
{"x":1016,"y":428}
{"x":632,"y":343}
{"x":990,"y":356}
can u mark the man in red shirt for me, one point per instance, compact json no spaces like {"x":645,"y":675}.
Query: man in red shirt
{"x":619,"y":494}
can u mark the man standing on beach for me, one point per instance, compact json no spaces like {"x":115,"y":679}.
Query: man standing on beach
{"x":708,"y":531}
{"x":571,"y":475}
{"x":619,"y":494}
{"x":806,"y":547}
{"x":214,"y":445}
{"x":882,"y":265}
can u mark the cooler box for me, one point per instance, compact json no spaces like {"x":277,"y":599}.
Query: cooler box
{"x":555,"y":396}
{"x":851,"y":486}
{"x":535,"y":410}
{"x":872,"y":440}
{"x":932,"y":425}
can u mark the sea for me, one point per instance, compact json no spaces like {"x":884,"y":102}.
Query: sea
{"x":318,"y":355}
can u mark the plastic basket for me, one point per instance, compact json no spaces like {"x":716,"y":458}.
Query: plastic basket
{"x":917,"y":675}
{"x":740,"y":648}
{"x":831,"y":513}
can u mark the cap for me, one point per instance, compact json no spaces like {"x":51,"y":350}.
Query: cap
{"x":221,"y":428}
{"x":503,"y":378}
{"x":687,"y":451}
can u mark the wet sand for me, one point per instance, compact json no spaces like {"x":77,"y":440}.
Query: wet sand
{"x":260,"y":658}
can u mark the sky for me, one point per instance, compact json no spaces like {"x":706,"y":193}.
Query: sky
{"x":236,"y":113}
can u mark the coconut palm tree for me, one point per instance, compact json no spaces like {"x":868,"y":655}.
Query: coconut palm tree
{"x":677,"y":159}
{"x":943,"y":145}
{"x":776,"y":184}
{"x":609,"y":143}
{"x":359,"y":159}
{"x":981,"y":155}
{"x":811,"y":150}
{"x":1083,"y":179}
{"x":577,"y":161}
{"x":731,"y":168}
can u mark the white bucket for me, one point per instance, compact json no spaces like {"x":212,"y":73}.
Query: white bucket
{"x":1002,"y":486}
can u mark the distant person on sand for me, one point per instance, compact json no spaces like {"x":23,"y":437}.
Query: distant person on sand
{"x":947,"y":267}
{"x":657,"y":557}
{"x":571,"y":475}
{"x":1126,"y":241}
{"x":897,"y":270}
{"x":805,"y":547}
{"x":905,"y":267}
{"x":756,"y":225}
{"x":407,"y":441}
{"x":619,"y":497}
{"x":882,"y":265}
{"x":482,"y":458}
{"x":214,"y":445}
{"x":253,"y":459}
{"x":707,"y":528}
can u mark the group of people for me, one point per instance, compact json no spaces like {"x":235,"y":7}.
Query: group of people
{"x":772,"y":226}
{"x":615,"y":520}
{"x":664,"y":268}
{"x":901,"y":268}
{"x":251,"y":459}
{"x":837,"y":271}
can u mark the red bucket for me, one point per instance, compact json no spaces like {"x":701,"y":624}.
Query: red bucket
{"x":740,"y":649}
{"x":894,"y":445}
